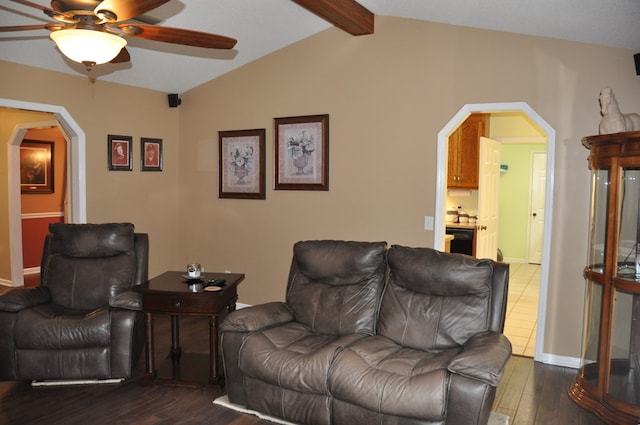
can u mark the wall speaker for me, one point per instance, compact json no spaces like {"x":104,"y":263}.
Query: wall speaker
{"x":174,"y":100}
{"x":636,"y":57}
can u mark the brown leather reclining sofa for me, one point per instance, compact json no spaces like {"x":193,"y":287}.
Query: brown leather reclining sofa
{"x":370,"y":335}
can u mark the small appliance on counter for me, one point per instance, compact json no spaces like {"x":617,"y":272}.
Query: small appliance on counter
{"x":451,"y":216}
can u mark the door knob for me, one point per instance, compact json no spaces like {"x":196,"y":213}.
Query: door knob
{"x":534,"y":214}
{"x":483,"y":227}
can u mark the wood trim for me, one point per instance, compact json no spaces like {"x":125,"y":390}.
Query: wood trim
{"x":31,"y":216}
{"x":348,"y":15}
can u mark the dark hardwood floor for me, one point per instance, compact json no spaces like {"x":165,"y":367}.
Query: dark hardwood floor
{"x":530,"y":393}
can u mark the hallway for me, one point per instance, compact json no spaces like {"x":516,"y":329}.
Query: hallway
{"x":522,"y":307}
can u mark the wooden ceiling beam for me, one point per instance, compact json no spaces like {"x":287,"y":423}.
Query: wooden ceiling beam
{"x":348,"y":15}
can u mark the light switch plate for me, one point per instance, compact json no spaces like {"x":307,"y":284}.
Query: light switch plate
{"x":428,"y":222}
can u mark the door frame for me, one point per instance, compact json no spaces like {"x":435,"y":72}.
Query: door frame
{"x":76,"y":171}
{"x":441,"y":189}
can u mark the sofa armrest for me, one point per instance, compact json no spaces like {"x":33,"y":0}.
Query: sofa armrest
{"x":128,"y":300}
{"x":251,"y":319}
{"x":483,"y":357}
{"x":17,"y":299}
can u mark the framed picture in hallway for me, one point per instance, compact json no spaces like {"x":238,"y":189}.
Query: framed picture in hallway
{"x":36,"y":167}
{"x":302,"y":153}
{"x":242,"y":164}
{"x":119,"y":152}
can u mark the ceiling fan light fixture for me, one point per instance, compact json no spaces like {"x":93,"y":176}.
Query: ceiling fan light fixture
{"x":88,"y":46}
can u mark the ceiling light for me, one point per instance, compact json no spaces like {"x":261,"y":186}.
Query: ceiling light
{"x":89,"y":47}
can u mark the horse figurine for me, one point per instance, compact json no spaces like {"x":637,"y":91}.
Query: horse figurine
{"x":614,"y":121}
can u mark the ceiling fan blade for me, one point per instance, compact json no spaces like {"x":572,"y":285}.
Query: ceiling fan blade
{"x":122,"y":57}
{"x":50,"y":27}
{"x":179,"y":36}
{"x":34,"y":5}
{"x":127,"y":9}
{"x":23,"y":28}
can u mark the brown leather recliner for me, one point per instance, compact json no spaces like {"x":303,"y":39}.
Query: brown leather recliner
{"x":426,"y":350}
{"x":83,"y":321}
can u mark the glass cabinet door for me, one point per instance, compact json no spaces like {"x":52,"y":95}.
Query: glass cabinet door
{"x":628,"y":257}
{"x":598,"y":234}
{"x":624,"y":362}
{"x":597,"y":256}
{"x":624,"y":365}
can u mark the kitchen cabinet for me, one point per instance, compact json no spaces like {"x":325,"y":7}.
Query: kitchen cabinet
{"x":608,"y":381}
{"x":464,"y":147}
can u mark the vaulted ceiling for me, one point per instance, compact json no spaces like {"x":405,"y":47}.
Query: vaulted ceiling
{"x":264,"y":26}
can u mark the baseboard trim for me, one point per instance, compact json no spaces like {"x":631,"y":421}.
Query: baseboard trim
{"x":67,"y":382}
{"x":514,"y":260}
{"x":31,"y":270}
{"x":555,"y":360}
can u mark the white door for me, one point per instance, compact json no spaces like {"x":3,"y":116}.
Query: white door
{"x":536,"y":215}
{"x":488,"y":199}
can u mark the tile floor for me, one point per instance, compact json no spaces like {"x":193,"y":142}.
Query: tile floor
{"x":522,"y":307}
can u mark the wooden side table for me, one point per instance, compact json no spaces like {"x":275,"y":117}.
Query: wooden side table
{"x":170,"y":293}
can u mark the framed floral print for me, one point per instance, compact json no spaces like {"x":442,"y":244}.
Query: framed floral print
{"x":242,"y":164}
{"x":302,"y":153}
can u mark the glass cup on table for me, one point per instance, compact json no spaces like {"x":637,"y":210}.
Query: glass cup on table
{"x":194,"y":270}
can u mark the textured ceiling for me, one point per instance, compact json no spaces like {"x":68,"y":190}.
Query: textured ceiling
{"x":263,"y":26}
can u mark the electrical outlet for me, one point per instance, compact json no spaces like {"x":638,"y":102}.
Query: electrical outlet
{"x":428,"y":222}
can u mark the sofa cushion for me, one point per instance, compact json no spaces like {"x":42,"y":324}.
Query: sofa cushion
{"x":50,"y":327}
{"x":334,"y":287}
{"x":91,"y":240}
{"x":384,"y":377}
{"x":434,"y":300}
{"x":89,"y":263}
{"x":291,"y":356}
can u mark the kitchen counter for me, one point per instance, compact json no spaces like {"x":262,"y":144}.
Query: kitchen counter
{"x":460,"y":225}
{"x":447,"y":243}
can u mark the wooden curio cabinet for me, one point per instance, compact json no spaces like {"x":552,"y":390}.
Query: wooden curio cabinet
{"x":464,"y":150}
{"x":608,"y":382}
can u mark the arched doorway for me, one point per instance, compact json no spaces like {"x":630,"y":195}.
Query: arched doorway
{"x":76,"y":183}
{"x":441,"y":183}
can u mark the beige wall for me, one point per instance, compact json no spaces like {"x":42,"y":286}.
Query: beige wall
{"x":388,"y":95}
{"x":147,"y":199}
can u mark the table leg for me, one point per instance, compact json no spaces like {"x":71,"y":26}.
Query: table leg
{"x":176,"y":350}
{"x":213,"y":349}
{"x":150,"y":368}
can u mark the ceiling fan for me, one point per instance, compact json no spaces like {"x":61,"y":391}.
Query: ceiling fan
{"x":93,"y":32}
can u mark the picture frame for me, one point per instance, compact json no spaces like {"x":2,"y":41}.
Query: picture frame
{"x":242,"y":164}
{"x":302,"y":153}
{"x":36,"y":167}
{"x":150,"y":154}
{"x":119,"y":153}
